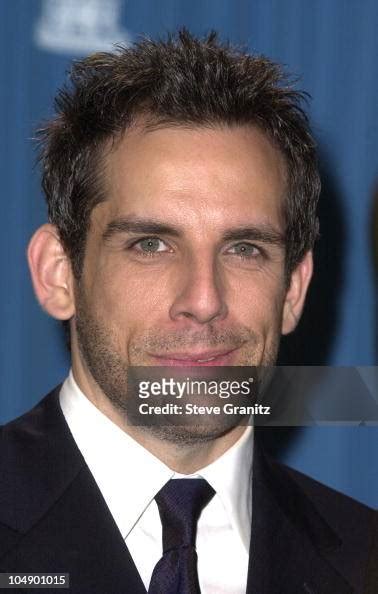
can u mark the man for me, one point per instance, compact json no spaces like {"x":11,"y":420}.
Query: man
{"x":181,"y":183}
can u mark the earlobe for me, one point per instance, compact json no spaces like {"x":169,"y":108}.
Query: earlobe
{"x":51,"y":273}
{"x":296,"y":294}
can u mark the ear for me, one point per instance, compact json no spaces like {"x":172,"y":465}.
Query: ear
{"x":296,"y":294}
{"x":51,"y":273}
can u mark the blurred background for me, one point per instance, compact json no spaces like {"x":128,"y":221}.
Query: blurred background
{"x":332,"y":47}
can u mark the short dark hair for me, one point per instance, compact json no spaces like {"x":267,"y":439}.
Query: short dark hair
{"x":181,"y":80}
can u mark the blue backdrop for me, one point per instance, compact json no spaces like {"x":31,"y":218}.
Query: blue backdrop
{"x":333,"y":46}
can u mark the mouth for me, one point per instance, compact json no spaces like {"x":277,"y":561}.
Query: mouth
{"x":197,"y":359}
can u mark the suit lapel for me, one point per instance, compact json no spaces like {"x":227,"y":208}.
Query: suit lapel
{"x":54,"y":518}
{"x":290,"y":543}
{"x":78,"y":535}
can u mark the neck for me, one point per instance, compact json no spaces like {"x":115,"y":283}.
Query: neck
{"x":187,"y":457}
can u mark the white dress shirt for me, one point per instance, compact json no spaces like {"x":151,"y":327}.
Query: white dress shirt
{"x":129,"y":477}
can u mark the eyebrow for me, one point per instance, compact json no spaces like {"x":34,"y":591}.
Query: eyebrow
{"x":264,"y":233}
{"x":136,"y":225}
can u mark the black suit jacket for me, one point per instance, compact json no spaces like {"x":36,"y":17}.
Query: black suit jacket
{"x":306,"y":538}
{"x":372,"y":573}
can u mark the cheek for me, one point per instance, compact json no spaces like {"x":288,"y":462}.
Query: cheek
{"x":127,"y":297}
{"x":257,"y":301}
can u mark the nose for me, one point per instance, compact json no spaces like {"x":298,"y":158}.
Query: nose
{"x":200,"y":295}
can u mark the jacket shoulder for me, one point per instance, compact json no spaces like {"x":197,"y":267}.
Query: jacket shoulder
{"x":349,"y":519}
{"x":35,"y":417}
{"x":327,"y":500}
{"x":38,"y":459}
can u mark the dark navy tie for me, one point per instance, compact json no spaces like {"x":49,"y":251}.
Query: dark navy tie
{"x":180,"y":503}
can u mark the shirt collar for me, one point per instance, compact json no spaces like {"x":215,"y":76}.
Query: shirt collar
{"x":230,"y":475}
{"x":125,"y":471}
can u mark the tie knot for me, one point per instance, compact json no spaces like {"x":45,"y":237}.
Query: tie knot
{"x":180,"y":504}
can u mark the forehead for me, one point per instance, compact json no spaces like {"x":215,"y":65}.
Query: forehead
{"x":203,"y":176}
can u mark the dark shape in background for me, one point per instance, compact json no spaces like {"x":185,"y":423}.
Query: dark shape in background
{"x":312,"y":341}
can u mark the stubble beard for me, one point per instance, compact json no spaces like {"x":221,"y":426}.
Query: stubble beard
{"x":109,"y":369}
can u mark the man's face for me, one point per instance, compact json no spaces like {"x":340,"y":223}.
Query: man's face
{"x":185,"y":260}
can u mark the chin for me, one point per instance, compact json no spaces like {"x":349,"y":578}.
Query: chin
{"x":191,"y":434}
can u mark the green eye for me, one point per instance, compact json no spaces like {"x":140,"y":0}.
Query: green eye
{"x":150,"y":245}
{"x":245,"y":250}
